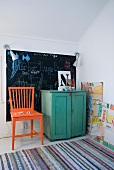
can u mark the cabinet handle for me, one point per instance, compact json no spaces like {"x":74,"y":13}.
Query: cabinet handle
{"x":70,"y":94}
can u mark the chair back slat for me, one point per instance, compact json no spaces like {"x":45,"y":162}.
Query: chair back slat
{"x":16,"y":100}
{"x":21,"y":97}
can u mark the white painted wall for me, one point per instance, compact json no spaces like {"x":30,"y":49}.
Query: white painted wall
{"x":97,"y":53}
{"x":27,"y":44}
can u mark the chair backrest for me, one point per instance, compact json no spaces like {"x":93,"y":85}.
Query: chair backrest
{"x":21,"y":97}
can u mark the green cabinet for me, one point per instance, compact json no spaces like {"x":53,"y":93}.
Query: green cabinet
{"x":64,"y":113}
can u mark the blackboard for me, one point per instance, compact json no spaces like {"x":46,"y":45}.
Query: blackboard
{"x":36,"y":69}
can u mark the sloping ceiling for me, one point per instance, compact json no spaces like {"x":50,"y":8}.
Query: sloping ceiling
{"x":58,"y":20}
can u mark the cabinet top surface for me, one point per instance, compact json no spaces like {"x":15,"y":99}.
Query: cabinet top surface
{"x":57,"y":91}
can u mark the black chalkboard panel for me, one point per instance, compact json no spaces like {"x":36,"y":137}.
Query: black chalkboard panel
{"x":36,"y":69}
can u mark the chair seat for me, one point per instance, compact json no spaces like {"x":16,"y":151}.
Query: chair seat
{"x":27,"y":113}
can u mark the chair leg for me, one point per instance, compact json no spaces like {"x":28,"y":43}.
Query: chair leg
{"x":31,"y":128}
{"x":13,"y":133}
{"x":41,"y":130}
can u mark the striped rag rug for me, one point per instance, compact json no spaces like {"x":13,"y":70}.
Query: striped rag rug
{"x":78,"y":154}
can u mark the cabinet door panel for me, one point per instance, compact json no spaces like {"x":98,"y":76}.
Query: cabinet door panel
{"x":61,"y":116}
{"x":78,"y":118}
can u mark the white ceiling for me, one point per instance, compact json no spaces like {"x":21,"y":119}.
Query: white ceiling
{"x":58,"y":20}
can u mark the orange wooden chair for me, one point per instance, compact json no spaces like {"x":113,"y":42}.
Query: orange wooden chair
{"x":22,"y":108}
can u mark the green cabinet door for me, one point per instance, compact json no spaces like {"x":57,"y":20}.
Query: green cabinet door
{"x":61,"y":113}
{"x":78,"y":114}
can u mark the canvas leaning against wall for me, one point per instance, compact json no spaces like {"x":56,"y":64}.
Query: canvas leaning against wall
{"x":100,"y":115}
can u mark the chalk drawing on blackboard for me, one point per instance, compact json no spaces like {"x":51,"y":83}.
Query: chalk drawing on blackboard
{"x":27,"y":58}
{"x":37,"y":69}
{"x":67,"y":65}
